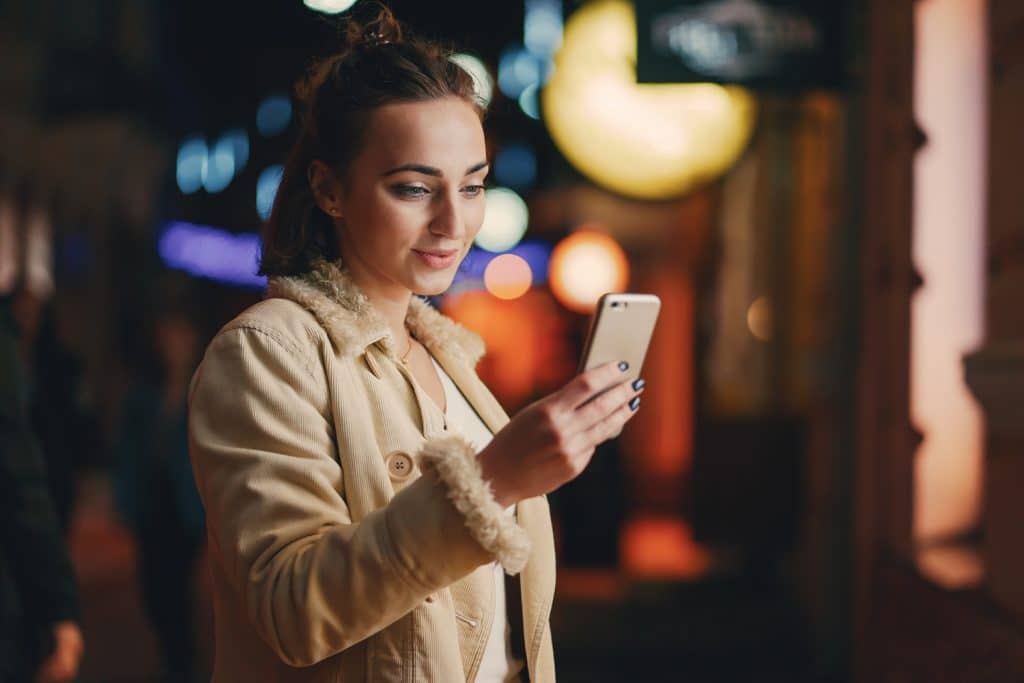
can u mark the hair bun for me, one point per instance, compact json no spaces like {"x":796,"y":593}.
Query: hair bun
{"x":373,"y":38}
{"x":369,"y":25}
{"x":378,"y":26}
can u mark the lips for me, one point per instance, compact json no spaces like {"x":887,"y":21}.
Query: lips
{"x":438,"y":259}
{"x":440,"y":253}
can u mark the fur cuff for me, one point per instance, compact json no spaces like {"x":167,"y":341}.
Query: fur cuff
{"x":454,"y":460}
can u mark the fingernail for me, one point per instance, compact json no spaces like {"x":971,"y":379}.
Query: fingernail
{"x":638,"y":384}
{"x":623,"y":365}
{"x":635,"y":403}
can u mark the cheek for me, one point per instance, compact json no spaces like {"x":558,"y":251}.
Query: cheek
{"x":386,"y":223}
{"x":475,"y":217}
{"x":382,"y":208}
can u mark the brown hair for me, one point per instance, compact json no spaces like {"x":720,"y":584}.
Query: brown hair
{"x":377,"y":65}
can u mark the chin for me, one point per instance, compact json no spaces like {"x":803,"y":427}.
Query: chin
{"x":432,"y":283}
{"x":427,"y":281}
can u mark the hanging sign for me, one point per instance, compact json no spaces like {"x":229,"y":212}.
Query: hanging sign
{"x":764,"y":44}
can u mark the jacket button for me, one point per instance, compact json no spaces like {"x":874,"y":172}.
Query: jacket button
{"x":431,"y":598}
{"x":399,"y":465}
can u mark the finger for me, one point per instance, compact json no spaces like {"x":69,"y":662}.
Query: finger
{"x":593,"y":381}
{"x":607,"y":403}
{"x":615,"y":433}
{"x":622,"y":416}
{"x":610,"y":426}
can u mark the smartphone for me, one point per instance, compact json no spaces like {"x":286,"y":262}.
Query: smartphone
{"x":620,"y":329}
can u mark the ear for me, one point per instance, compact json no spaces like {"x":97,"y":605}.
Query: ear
{"x":327,"y":191}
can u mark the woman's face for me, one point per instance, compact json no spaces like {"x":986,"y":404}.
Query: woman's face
{"x":413,"y":200}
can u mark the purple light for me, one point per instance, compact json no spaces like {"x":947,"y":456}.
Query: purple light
{"x":205,"y":251}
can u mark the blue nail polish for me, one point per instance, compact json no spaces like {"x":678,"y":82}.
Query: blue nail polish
{"x":638,"y":384}
{"x":623,"y":365}
{"x":635,"y":403}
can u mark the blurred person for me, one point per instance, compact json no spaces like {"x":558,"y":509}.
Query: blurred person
{"x":60,"y":411}
{"x":40,"y":638}
{"x":156,"y":493}
{"x":368,"y":501}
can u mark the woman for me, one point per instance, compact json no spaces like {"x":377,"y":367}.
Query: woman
{"x":365,"y":494}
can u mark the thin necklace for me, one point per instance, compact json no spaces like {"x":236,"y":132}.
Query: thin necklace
{"x":405,"y":356}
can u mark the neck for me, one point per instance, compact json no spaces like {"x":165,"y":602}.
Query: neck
{"x":390,"y":300}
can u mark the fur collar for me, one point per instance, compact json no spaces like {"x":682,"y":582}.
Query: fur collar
{"x":352,"y":323}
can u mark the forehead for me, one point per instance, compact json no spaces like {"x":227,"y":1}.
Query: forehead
{"x":445,"y":133}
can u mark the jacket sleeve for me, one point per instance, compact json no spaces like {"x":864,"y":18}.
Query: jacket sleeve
{"x":313,"y":582}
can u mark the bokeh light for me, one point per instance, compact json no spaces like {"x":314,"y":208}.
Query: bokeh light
{"x":518,"y":69}
{"x":273,"y":115}
{"x":220,"y":169}
{"x":529,"y":341}
{"x":759,"y":318}
{"x":329,"y":6}
{"x":515,"y":165}
{"x":585,"y":265}
{"x":205,"y":251}
{"x":529,"y":101}
{"x":470,"y":275}
{"x":482,"y":80}
{"x":650,"y":141}
{"x":227,"y":158}
{"x":237,"y":140}
{"x":662,"y":547}
{"x":542,"y":26}
{"x":266,"y":189}
{"x":191,"y":168}
{"x":505,"y":221}
{"x":508,"y":276}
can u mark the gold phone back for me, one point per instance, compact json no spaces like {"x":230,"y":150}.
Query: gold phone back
{"x":621,"y":330}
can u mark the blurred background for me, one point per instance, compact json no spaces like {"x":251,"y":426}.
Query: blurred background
{"x":824,"y":484}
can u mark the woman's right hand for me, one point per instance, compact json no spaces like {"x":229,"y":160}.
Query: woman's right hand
{"x":551,"y":441}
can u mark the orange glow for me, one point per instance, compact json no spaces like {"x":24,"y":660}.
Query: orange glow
{"x":660,"y":437}
{"x":662,"y":547}
{"x":529,"y":351}
{"x":590,"y":584}
{"x":759,"y":318}
{"x":584,"y":266}
{"x":508,"y":276}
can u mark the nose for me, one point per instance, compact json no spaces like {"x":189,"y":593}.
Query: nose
{"x":448,"y":219}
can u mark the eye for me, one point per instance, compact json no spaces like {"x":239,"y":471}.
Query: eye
{"x":410,"y":190}
{"x":473,"y":190}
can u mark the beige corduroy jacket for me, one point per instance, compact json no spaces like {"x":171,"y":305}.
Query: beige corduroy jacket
{"x":350,"y":534}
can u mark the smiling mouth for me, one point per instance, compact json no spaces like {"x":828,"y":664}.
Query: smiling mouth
{"x":438,"y":260}
{"x":438,"y":253}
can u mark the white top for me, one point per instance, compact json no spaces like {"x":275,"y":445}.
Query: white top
{"x":499,"y":665}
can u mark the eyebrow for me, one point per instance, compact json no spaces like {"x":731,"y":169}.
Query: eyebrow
{"x":430,"y":170}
